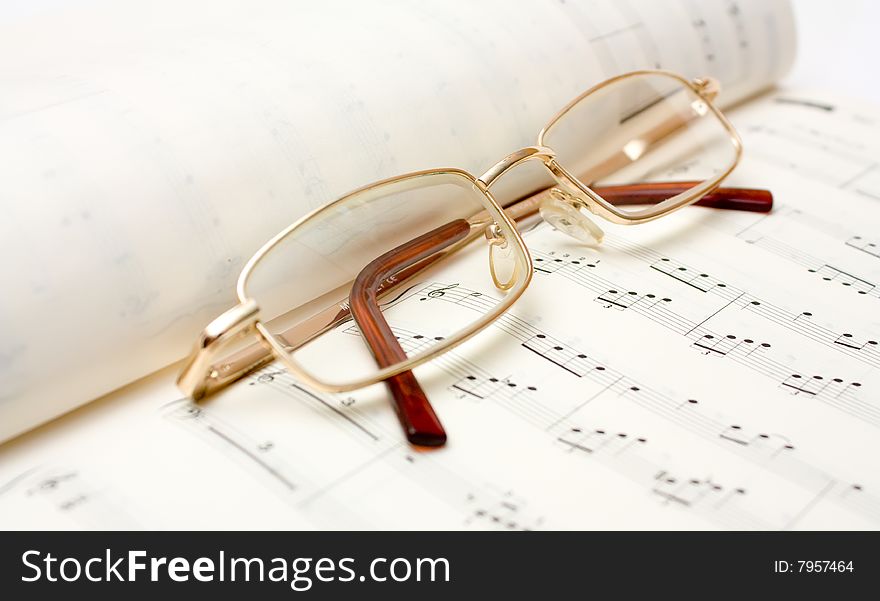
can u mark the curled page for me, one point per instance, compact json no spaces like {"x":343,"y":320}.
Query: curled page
{"x":148,"y":149}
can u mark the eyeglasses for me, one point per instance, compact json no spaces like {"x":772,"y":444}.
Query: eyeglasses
{"x":333,"y":296}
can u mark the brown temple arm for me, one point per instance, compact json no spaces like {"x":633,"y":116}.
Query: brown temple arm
{"x":737,"y":199}
{"x":411,"y":404}
{"x":419,"y":421}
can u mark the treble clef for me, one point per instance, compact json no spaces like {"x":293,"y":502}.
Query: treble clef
{"x":440,"y":292}
{"x":191,"y":411}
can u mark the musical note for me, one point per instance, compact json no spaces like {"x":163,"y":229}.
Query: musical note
{"x":771,"y":444}
{"x":411,"y":342}
{"x":489,"y":387}
{"x":551,"y":263}
{"x":504,"y":511}
{"x":733,"y":10}
{"x":835,"y":392}
{"x":701,"y":27}
{"x":725,"y":345}
{"x":746,"y":351}
{"x":620,"y":300}
{"x":799,"y":323}
{"x":859,"y":243}
{"x":594,"y":440}
{"x":714,"y":500}
{"x":855,"y":497}
{"x":818,"y":386}
{"x":472,"y":382}
{"x":849,"y":341}
{"x":833,"y":274}
{"x":561,"y":354}
{"x":480,"y":388}
{"x":813,"y":264}
{"x":692,"y":491}
{"x":701,"y":281}
{"x":482,"y":504}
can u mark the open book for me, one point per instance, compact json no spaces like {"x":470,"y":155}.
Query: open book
{"x":710,"y":369}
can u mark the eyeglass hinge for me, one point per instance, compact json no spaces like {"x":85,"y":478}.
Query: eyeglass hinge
{"x":707,"y":87}
{"x":199,"y":376}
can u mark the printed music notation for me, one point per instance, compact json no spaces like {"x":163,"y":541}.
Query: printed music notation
{"x":614,"y":299}
{"x":770,"y":451}
{"x":620,"y":446}
{"x":800,"y":147}
{"x":598,"y":440}
{"x":865,"y":246}
{"x":706,"y":43}
{"x":818,"y":139}
{"x":760,"y":235}
{"x":836,"y":392}
{"x":726,"y":502}
{"x":728,"y":345}
{"x":504,"y":511}
{"x":829,"y":273}
{"x":625,"y":454}
{"x":474,"y":383}
{"x":745,"y":351}
{"x":700,"y":281}
{"x":826,"y":272}
{"x":628,"y":455}
{"x":71,"y":494}
{"x":735,"y":298}
{"x":692,"y":491}
{"x":552,"y":264}
{"x":561,"y":355}
{"x":410,"y":342}
{"x":480,"y":388}
{"x":58,"y":485}
{"x":479,"y":506}
{"x":848,"y":341}
{"x":773,"y":443}
{"x":350,"y":418}
{"x":261,"y":454}
{"x":706,"y":283}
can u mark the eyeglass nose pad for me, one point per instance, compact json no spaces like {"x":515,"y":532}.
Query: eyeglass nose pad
{"x":563,"y":211}
{"x":502,"y":263}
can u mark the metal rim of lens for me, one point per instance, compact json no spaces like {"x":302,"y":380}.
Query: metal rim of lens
{"x":602,"y":207}
{"x":495,"y":211}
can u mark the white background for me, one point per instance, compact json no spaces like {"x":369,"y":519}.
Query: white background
{"x":838,"y":42}
{"x":838,"y":47}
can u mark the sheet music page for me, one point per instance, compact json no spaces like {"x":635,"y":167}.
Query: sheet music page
{"x":150,"y":148}
{"x":708,"y":370}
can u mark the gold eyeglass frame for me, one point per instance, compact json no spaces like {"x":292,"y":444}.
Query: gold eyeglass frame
{"x":221,"y":357}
